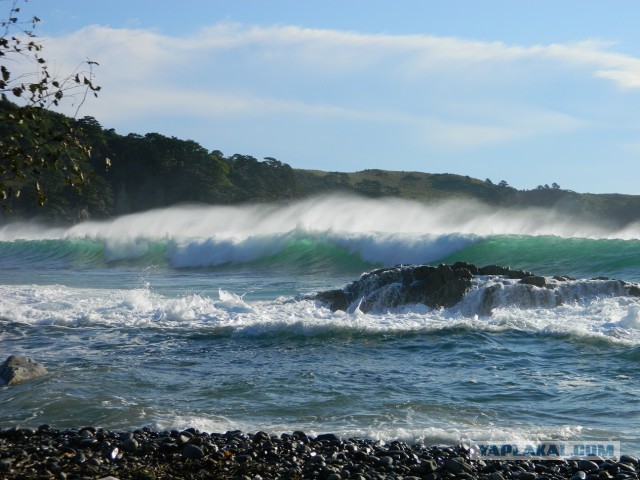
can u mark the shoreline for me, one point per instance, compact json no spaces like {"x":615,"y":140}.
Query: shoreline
{"x":96,"y":453}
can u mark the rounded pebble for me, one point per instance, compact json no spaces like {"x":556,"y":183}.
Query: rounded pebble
{"x":145,"y":454}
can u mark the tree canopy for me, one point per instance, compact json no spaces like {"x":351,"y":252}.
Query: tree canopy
{"x":31,"y":144}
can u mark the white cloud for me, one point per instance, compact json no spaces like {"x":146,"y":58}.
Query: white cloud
{"x":414,"y":81}
{"x":623,"y":78}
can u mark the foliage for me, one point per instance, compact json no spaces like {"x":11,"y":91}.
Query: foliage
{"x":152,"y":171}
{"x":30,"y":143}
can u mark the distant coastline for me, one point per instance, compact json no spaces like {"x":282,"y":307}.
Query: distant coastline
{"x":134,"y":173}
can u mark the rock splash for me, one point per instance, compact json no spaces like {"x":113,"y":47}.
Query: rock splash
{"x":445,"y":286}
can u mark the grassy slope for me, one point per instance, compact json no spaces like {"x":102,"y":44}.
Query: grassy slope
{"x":427,"y":187}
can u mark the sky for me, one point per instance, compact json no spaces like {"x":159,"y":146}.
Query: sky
{"x":530,"y":92}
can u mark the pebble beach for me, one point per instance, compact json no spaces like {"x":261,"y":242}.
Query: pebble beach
{"x":95,"y":453}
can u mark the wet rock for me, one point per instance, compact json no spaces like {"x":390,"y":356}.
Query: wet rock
{"x":588,"y":465}
{"x":328,"y":437}
{"x":504,"y":272}
{"x":456,"y":465}
{"x":534,"y":280}
{"x":18,"y":368}
{"x":633,"y":290}
{"x":630,"y":459}
{"x":192,"y":452}
{"x":441,"y":286}
{"x":446,"y":285}
{"x":130,"y":444}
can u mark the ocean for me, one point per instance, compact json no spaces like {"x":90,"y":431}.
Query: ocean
{"x":200,"y":316}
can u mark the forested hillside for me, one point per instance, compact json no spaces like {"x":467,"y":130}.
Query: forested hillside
{"x":132,"y":173}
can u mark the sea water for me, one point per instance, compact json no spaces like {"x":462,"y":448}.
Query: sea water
{"x":199,"y":316}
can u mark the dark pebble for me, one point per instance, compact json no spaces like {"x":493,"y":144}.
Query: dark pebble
{"x":527,"y":476}
{"x":5,"y":464}
{"x":588,"y":465}
{"x":144,"y":454}
{"x":328,"y":437}
{"x":629,"y":459}
{"x":192,"y":451}
{"x":87,"y":442}
{"x":130,"y":444}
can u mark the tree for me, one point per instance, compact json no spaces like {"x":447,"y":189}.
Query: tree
{"x":32,"y":141}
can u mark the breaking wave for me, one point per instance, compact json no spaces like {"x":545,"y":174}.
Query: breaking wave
{"x":349,"y":233}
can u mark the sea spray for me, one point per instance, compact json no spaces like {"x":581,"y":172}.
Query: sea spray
{"x":341,"y":214}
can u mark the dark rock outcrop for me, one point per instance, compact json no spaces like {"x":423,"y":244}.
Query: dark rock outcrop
{"x":534,"y":280}
{"x":446,"y":285}
{"x":436,"y":287}
{"x":18,"y":369}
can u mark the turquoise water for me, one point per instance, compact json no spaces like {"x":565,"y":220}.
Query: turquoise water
{"x":196,"y":316}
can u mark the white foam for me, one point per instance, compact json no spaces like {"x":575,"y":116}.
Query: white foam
{"x":631,"y":319}
{"x":614,"y":319}
{"x":451,"y":434}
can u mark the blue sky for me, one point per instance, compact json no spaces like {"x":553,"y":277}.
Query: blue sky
{"x":531,"y":92}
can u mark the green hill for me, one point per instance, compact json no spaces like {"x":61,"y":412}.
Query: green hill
{"x":154,"y":171}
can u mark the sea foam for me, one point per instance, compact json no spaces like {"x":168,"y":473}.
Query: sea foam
{"x":613,"y":319}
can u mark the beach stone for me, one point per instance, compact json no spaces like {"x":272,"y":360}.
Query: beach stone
{"x":18,"y":368}
{"x":588,"y":465}
{"x":192,"y":452}
{"x":624,"y":467}
{"x":328,"y":437}
{"x":527,"y":476}
{"x":300,"y":435}
{"x":53,"y":454}
{"x":87,"y":442}
{"x":456,"y":465}
{"x":130,"y":445}
{"x":5,"y":464}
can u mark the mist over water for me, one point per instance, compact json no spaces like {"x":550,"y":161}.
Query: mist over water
{"x":327,"y":214}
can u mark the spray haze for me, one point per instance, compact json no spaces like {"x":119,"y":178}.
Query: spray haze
{"x":334,"y":213}
{"x":385,"y":231}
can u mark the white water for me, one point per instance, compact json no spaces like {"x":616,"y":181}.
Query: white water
{"x":327,"y":214}
{"x":614,"y":319}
